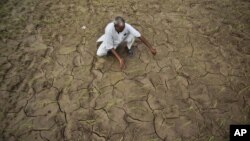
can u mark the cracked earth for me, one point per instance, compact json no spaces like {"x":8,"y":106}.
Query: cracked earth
{"x":54,"y":88}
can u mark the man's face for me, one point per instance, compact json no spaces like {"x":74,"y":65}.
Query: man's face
{"x":119,"y":27}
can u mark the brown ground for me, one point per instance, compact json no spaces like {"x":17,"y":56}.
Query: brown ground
{"x":54,"y":88}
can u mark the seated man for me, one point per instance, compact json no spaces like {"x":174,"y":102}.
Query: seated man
{"x":117,"y":32}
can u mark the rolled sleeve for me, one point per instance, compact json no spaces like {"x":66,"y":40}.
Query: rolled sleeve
{"x":133,"y":31}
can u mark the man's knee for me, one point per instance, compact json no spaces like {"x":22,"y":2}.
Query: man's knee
{"x":101,"y":51}
{"x":130,"y":39}
{"x":100,"y":54}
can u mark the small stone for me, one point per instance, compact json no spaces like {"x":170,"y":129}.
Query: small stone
{"x":84,"y":27}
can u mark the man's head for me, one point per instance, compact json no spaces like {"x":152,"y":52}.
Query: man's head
{"x":119,"y":24}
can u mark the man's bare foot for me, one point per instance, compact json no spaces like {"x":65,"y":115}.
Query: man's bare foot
{"x":130,"y":53}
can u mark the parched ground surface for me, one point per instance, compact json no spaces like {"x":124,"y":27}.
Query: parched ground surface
{"x":54,"y":88}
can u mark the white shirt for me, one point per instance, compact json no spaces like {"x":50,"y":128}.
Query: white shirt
{"x":112,"y":38}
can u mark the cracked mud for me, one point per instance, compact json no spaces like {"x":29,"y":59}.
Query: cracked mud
{"x":54,"y":88}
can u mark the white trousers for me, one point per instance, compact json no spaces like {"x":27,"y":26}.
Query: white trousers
{"x":102,"y":50}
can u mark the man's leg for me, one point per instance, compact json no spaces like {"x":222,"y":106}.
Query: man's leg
{"x":130,"y":40}
{"x":101,"y":51}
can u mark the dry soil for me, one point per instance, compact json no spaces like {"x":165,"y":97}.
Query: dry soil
{"x":53,"y":87}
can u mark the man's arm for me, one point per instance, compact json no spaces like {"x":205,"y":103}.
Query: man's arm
{"x":121,"y":61}
{"x":153,"y":50}
{"x":138,"y":34}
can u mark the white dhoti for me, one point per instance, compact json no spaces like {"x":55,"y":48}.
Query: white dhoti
{"x":102,"y":50}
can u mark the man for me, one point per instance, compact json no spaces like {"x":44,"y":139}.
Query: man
{"x":116,"y":33}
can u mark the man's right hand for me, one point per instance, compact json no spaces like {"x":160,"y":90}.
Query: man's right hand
{"x":122,"y":64}
{"x":121,"y":61}
{"x":153,"y":51}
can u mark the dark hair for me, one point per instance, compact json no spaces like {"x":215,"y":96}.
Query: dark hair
{"x":119,"y":19}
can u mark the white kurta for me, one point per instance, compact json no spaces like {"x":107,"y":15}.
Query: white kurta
{"x":111,"y":38}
